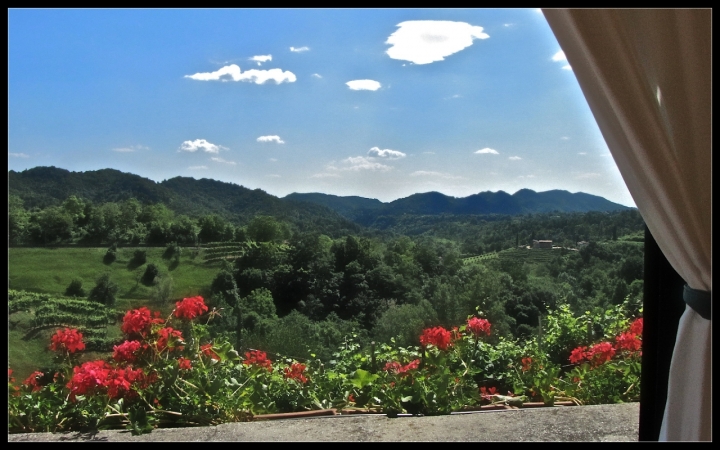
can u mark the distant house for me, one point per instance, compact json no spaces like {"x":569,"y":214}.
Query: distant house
{"x":542,"y":244}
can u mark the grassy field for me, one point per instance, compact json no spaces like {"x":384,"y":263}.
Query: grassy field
{"x":50,"y":270}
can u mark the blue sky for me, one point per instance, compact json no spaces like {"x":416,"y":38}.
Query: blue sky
{"x":380,"y":103}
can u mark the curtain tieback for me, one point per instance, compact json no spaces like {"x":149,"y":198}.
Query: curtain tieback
{"x":698,"y":300}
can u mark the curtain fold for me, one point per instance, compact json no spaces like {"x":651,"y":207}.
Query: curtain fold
{"x":646,"y":76}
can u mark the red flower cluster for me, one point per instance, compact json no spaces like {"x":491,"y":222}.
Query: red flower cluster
{"x":169,"y":336}
{"x":438,"y":336}
{"x":258,"y":358}
{"x":526,"y":363}
{"x":399,"y":369}
{"x":139,"y":321}
{"x":578,"y":354}
{"x":126,"y":352}
{"x":487,"y":393}
{"x":32,"y":380}
{"x":95,"y":377}
{"x":68,"y":339}
{"x":598,"y":354}
{"x":295,"y":372}
{"x":628,"y":341}
{"x":185,"y":364}
{"x":190,"y":307}
{"x":478,"y":326}
{"x":88,"y":378}
{"x":637,"y":326}
{"x":208,"y":351}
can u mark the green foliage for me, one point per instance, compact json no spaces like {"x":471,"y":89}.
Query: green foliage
{"x":104,"y":291}
{"x":151,"y":271}
{"x":75,"y":288}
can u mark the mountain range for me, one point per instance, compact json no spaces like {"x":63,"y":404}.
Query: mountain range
{"x":45,"y":186}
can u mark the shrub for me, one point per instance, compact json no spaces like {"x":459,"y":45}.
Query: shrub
{"x":151,"y":271}
{"x":75,"y":288}
{"x":110,"y":256}
{"x":104,"y":291}
{"x":140,"y":257}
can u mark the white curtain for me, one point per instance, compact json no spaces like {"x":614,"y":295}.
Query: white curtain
{"x":646,"y":75}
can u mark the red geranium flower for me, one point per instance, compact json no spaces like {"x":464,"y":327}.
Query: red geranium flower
{"x":88,"y":378}
{"x":487,"y":393}
{"x":628,"y":341}
{"x":637,"y":326}
{"x":68,"y":339}
{"x":399,"y":369}
{"x":526,"y":362}
{"x":119,"y":382}
{"x":438,"y":336}
{"x":578,"y":355}
{"x":478,"y":326}
{"x":257,"y":358}
{"x":295,"y":372}
{"x":139,"y":321}
{"x":600,"y":353}
{"x":185,"y":364}
{"x":208,"y":351}
{"x":32,"y":380}
{"x":126,"y":352}
{"x":168,"y":335}
{"x":190,"y":307}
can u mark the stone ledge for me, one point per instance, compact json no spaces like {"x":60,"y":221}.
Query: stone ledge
{"x":560,"y":424}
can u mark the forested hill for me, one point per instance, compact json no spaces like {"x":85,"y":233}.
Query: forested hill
{"x":48,"y":186}
{"x":524,"y":201}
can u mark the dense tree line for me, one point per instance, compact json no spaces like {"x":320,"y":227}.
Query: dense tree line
{"x":298,"y":289}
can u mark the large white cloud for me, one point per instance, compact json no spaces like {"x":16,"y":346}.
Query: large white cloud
{"x":487,"y":150}
{"x":363,"y":85}
{"x":270,"y":139}
{"x":428,"y":41}
{"x":387,"y":153}
{"x":201,"y":144}
{"x":560,"y":57}
{"x":233,"y":72}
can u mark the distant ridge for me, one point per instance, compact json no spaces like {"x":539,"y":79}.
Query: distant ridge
{"x":45,"y":186}
{"x":524,"y":201}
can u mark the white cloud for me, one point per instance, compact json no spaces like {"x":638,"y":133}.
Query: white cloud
{"x":220,"y":160}
{"x":273,"y":159}
{"x":317,"y":75}
{"x":387,"y":153}
{"x":201,"y":144}
{"x":487,"y":150}
{"x":273,"y":176}
{"x":131,"y":148}
{"x":270,"y":139}
{"x":363,"y":85}
{"x":559,"y":56}
{"x":428,"y":41}
{"x":18,"y":155}
{"x":325,"y":175}
{"x":198,"y":167}
{"x":539,"y":11}
{"x":565,"y":138}
{"x":233,"y":72}
{"x":566,"y":67}
{"x":356,"y":163}
{"x":299,"y":49}
{"x":514,"y":158}
{"x":259,"y":59}
{"x":426,"y":173}
{"x":582,"y":153}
